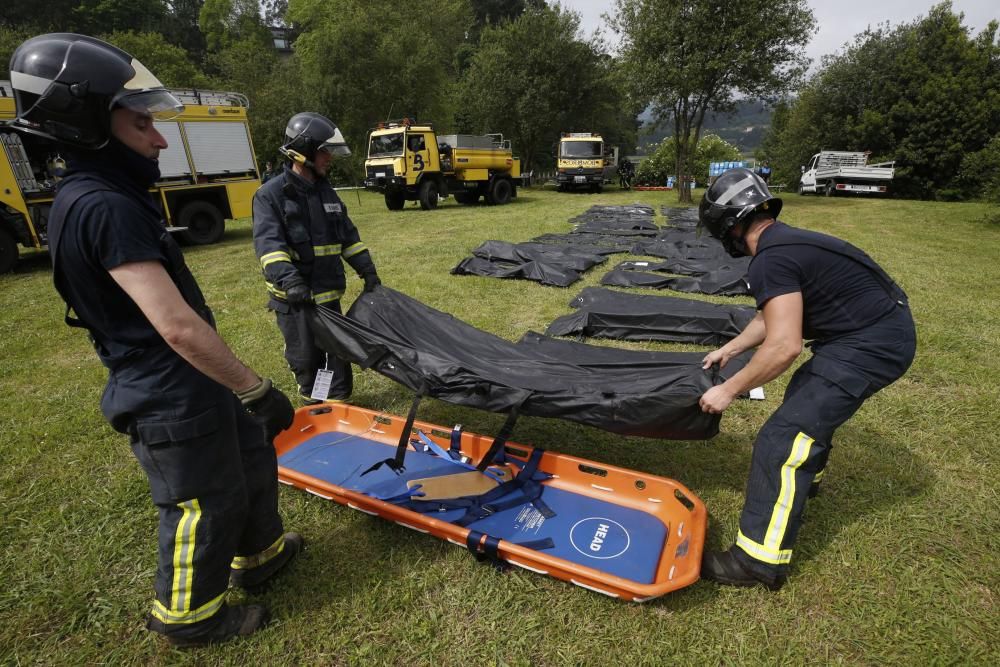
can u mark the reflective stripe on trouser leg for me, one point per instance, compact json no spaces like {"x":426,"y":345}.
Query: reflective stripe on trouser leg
{"x":769,"y":547}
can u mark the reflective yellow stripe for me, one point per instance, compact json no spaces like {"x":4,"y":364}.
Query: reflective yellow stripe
{"x":248,"y":562}
{"x":272,"y":257}
{"x":760,"y":552}
{"x":274,"y":290}
{"x":786,"y":495}
{"x":324,"y":250}
{"x":355,"y":249}
{"x":184,"y":544}
{"x":206,"y":610}
{"x":819,"y":475}
{"x":326,"y":297}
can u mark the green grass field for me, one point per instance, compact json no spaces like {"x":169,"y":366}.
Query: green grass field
{"x":896,"y":563}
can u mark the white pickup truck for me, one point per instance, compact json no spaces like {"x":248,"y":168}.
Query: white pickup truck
{"x":843,"y":172}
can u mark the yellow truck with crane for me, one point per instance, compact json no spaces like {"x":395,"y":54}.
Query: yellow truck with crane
{"x":581,"y":163}
{"x":410,"y":162}
{"x":208,"y":173}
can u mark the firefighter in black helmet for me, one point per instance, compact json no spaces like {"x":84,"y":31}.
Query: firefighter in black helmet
{"x":807,"y":285}
{"x":199,"y":420}
{"x":301,"y":233}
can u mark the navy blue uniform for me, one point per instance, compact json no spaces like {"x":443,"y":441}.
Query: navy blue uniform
{"x":862,"y":338}
{"x":211,"y":472}
{"x":301,"y":233}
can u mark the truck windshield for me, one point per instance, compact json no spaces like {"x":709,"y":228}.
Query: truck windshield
{"x":581,"y":149}
{"x":386,"y":145}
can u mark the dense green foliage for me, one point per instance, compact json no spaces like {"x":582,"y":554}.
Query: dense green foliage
{"x":661,"y":163}
{"x":532,"y":78}
{"x":925,"y":94}
{"x":688,"y":57}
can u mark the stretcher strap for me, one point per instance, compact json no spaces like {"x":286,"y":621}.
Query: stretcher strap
{"x":455,"y":450}
{"x":526,"y":487}
{"x":486,"y":547}
{"x":396,"y":463}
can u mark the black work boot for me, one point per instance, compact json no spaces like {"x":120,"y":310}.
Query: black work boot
{"x":257,"y":579}
{"x":235,"y":621}
{"x":725,"y":568}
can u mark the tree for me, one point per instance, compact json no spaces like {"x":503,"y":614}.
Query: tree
{"x":885,"y":95}
{"x":167,"y":62}
{"x":365,"y":60}
{"x":661,"y":164}
{"x":225,"y":22}
{"x":531,"y":79}
{"x":688,"y":57}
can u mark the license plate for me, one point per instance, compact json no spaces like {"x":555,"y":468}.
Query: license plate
{"x":379,"y":174}
{"x":579,"y":179}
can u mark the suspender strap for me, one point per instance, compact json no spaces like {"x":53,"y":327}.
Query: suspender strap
{"x":496,"y":453}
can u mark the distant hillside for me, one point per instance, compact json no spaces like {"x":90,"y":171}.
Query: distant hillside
{"x":744,"y":128}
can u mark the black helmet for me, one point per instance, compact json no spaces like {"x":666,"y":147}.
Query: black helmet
{"x":309,"y":132}
{"x":66,"y":85}
{"x":731,"y":198}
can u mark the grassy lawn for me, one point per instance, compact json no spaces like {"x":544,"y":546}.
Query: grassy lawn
{"x":896,"y":563}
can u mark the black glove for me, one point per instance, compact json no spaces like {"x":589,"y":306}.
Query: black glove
{"x":298,"y":294}
{"x":269,"y":406}
{"x":371,"y":280}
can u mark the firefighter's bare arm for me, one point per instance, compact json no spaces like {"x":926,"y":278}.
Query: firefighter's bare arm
{"x":751,"y":336}
{"x":150,"y":286}
{"x":782,"y":344}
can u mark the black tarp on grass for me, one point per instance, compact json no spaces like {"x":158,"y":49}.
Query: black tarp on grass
{"x":725,"y":280}
{"x":623,"y":391}
{"x":603,"y":313}
{"x":559,"y":266}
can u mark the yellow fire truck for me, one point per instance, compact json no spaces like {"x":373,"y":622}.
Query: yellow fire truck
{"x":581,"y":162}
{"x":411,"y":162}
{"x":207,"y":174}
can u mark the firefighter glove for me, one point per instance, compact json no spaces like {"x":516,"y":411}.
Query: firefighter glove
{"x":269,"y":406}
{"x":298,"y":294}
{"x":371,"y":280}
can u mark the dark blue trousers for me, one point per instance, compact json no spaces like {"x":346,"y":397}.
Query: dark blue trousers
{"x":213,"y":479}
{"x":306,"y":359}
{"x":793,"y":445}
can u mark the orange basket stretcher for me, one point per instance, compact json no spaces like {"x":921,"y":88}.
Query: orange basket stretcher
{"x":626,"y":534}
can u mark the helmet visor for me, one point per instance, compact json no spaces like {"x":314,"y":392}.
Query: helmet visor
{"x":159,"y":103}
{"x":336,"y":145}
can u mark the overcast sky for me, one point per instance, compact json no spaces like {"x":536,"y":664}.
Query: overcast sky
{"x":838,"y":20}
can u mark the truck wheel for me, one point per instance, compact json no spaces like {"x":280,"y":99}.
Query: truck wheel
{"x":204,"y":221}
{"x":428,"y":195}
{"x":598,"y":188}
{"x":500,"y":192}
{"x":8,"y":251}
{"x":394,"y":201}
{"x":467,"y":198}
{"x":802,"y":191}
{"x":831,"y":188}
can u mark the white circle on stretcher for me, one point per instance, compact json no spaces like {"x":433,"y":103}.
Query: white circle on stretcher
{"x":595,"y":539}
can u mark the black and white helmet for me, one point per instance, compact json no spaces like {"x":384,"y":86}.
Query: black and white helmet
{"x":734,"y":196}
{"x":66,"y":86}
{"x":309,"y":132}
